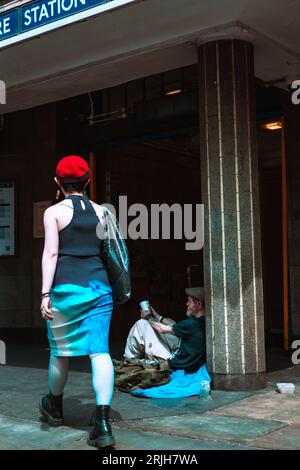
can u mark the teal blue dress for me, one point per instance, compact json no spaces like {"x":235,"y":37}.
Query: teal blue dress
{"x":81,"y":294}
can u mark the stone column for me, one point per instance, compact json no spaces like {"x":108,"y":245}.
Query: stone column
{"x":232,"y":249}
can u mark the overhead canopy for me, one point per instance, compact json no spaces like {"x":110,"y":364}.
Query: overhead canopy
{"x":140,"y":38}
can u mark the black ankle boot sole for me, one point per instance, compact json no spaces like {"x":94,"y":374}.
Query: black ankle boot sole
{"x":102,"y":442}
{"x":55,"y":422}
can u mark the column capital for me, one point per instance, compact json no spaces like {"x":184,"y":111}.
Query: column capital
{"x":230,"y":31}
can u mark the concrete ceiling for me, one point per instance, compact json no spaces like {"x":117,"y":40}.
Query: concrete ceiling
{"x":144,"y":38}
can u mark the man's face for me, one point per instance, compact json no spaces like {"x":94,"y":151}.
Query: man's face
{"x":193,"y":306}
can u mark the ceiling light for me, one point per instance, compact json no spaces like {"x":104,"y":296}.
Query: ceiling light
{"x":173,"y":92}
{"x":272,"y":125}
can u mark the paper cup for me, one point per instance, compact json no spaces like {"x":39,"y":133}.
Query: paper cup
{"x":145,"y":305}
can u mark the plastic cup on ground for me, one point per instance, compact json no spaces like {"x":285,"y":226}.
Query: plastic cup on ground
{"x":286,"y":388}
{"x":205,"y":391}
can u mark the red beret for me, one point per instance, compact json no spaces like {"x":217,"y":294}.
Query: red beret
{"x":72,"y":169}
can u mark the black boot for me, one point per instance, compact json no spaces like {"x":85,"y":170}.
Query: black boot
{"x":101,"y":436}
{"x":52,"y":410}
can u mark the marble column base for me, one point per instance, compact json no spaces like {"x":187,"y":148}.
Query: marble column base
{"x":239,"y":382}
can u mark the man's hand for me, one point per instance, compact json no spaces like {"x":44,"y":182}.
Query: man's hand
{"x":155,"y":315}
{"x":145,"y":313}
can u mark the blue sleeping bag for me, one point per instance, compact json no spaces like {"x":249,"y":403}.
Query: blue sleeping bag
{"x":181,"y":384}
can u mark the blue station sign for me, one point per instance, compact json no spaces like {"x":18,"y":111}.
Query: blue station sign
{"x":40,"y":13}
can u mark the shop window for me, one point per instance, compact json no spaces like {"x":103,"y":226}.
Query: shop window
{"x":153,"y":87}
{"x":117,"y":98}
{"x":135,"y":93}
{"x":173,"y":82}
{"x":190,"y":77}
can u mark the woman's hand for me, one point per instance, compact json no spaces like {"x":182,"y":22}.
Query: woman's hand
{"x":46,"y":309}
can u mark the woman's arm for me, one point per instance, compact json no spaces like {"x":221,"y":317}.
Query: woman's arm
{"x":50,"y":253}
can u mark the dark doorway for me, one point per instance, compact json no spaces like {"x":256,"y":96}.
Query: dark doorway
{"x":269,"y":153}
{"x":161,"y":171}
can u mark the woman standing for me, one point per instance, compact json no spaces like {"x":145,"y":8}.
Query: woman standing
{"x":78,"y":295}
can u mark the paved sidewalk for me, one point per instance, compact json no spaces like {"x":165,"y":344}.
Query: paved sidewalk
{"x":231,"y":420}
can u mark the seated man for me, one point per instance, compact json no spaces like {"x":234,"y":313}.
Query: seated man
{"x":182,"y":344}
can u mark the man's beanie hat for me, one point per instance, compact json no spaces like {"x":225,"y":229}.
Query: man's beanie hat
{"x":72,"y":169}
{"x":196,"y":293}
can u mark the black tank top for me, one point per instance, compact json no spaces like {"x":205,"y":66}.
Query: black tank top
{"x":79,"y":237}
{"x":79,"y":254}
